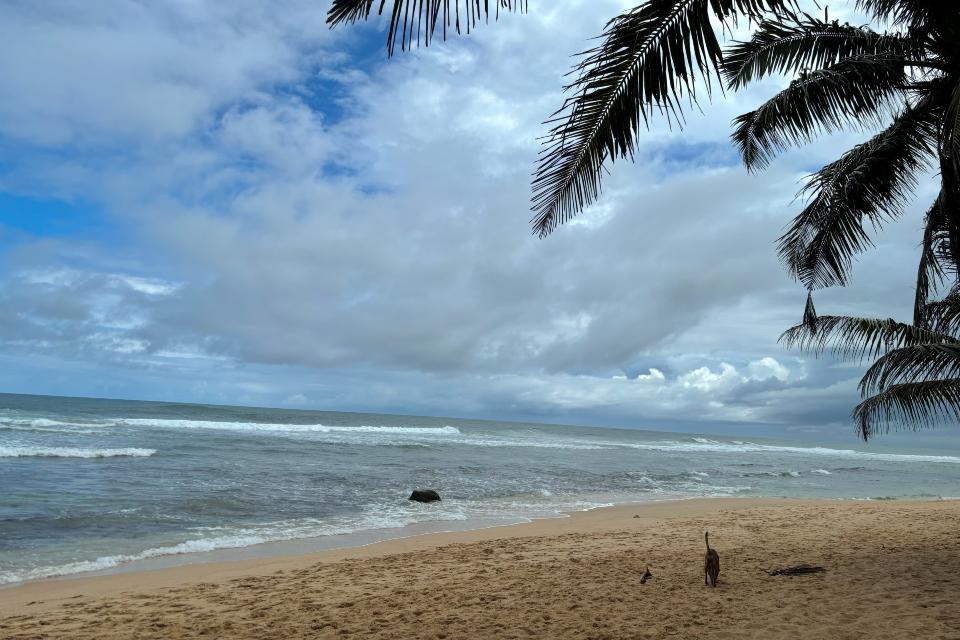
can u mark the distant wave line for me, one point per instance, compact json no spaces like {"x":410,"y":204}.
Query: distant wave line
{"x":72,"y":452}
{"x":736,"y":446}
{"x":270,"y":426}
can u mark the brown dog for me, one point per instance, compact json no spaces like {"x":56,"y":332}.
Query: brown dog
{"x":711,"y":563}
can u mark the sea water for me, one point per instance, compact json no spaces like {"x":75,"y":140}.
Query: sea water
{"x":93,"y":485}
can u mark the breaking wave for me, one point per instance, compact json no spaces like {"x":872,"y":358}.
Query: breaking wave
{"x":280,"y":427}
{"x":72,"y":452}
{"x":736,"y":446}
{"x":45,"y":425}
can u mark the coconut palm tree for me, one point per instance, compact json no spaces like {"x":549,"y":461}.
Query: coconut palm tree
{"x":902,"y":80}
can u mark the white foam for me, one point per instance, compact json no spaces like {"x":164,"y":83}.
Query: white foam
{"x":269,"y":532}
{"x":822,"y":472}
{"x":46,"y":422}
{"x":285,"y":428}
{"x":573,"y":445}
{"x":44,"y":425}
{"x":695,"y":487}
{"x":417,"y":440}
{"x":710,"y":446}
{"x":71,"y":431}
{"x":72,"y":452}
{"x":108,"y":562}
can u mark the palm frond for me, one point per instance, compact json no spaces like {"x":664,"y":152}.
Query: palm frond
{"x":856,"y":91}
{"x":951,"y":128}
{"x":907,"y":12}
{"x":854,"y":338}
{"x":930,"y":272}
{"x":916,"y":363}
{"x":943,"y":316}
{"x":804,"y":43}
{"x":349,"y":11}
{"x":871,"y":183}
{"x":944,"y":247}
{"x":950,"y":171}
{"x":949,"y":200}
{"x":648,"y":62}
{"x":650,"y":57}
{"x":411,"y":20}
{"x":913,"y":405}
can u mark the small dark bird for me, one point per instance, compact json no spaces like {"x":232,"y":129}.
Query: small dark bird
{"x":711,"y":563}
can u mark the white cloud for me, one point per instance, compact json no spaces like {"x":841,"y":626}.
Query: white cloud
{"x":766,"y":368}
{"x":654,"y":375}
{"x":143,"y":72}
{"x":392,"y":240}
{"x":703,"y":379}
{"x":149,"y":286}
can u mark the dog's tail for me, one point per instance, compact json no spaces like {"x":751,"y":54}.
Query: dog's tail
{"x":706,"y":538}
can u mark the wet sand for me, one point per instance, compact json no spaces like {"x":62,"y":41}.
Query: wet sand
{"x":892,"y":571}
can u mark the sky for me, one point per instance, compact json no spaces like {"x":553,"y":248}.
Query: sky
{"x":230,"y":203}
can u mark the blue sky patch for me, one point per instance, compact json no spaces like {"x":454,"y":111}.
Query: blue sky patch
{"x":54,"y":218}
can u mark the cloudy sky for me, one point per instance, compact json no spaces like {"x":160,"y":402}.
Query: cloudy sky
{"x":226,"y":202}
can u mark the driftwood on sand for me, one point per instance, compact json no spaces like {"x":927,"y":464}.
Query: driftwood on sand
{"x":796,"y":570}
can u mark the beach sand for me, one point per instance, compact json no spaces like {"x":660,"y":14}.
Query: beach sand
{"x":892,"y":571}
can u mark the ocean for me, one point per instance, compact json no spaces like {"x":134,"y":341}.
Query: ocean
{"x":91,"y":485}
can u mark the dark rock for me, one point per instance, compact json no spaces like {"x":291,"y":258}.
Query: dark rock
{"x":425,"y":495}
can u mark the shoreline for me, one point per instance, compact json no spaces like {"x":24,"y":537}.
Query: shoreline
{"x":892,"y":571}
{"x":309,"y":546}
{"x":320,"y":545}
{"x":276,"y":548}
{"x":276,"y":555}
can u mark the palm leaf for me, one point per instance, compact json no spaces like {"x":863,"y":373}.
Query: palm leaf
{"x":913,"y":405}
{"x":856,"y":91}
{"x":412,"y":19}
{"x":951,"y":129}
{"x":854,"y":338}
{"x":950,"y":169}
{"x":869,"y":184}
{"x":808,"y":43}
{"x":916,"y":363}
{"x":943,"y":243}
{"x":648,"y":62}
{"x":915,"y":13}
{"x":349,"y":11}
{"x":930,"y":272}
{"x":943,"y":316}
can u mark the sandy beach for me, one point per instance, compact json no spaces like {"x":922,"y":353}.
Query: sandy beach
{"x":892,"y":571}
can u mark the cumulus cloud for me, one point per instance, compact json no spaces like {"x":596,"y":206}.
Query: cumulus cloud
{"x":301,"y":209}
{"x":766,"y":368}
